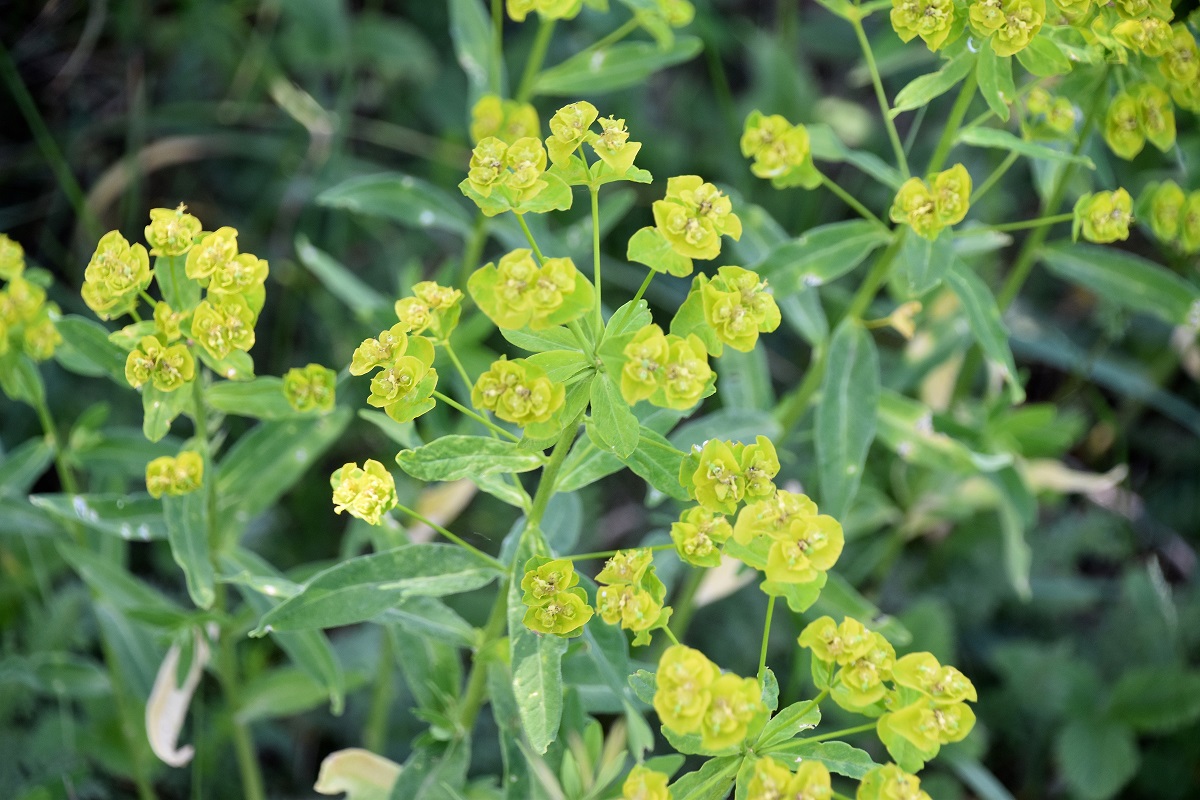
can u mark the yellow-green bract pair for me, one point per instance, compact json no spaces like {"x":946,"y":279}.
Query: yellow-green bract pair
{"x":175,"y":475}
{"x":1174,"y":216}
{"x":927,"y":208}
{"x":26,"y":319}
{"x":1103,"y":217}
{"x":692,"y":696}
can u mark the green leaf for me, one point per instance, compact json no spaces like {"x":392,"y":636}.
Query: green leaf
{"x":1003,"y":140}
{"x":923,"y":263}
{"x":844,"y":426}
{"x":1125,"y":279}
{"x":800,"y":716}
{"x":281,"y":692}
{"x":804,"y":314}
{"x":179,"y":291}
{"x":237,"y":366}
{"x":1044,"y":58}
{"x":629,"y":318}
{"x":449,"y":458}
{"x":536,"y":662}
{"x":821,"y":255}
{"x":995,"y":80}
{"x":309,"y":650}
{"x":339,"y":281}
{"x":923,"y":89}
{"x":136,"y":517}
{"x":431,"y":618}
{"x":187,"y":531}
{"x":20,"y":379}
{"x":159,"y":410}
{"x":87,"y":349}
{"x":541,"y":341}
{"x":21,"y":467}
{"x":657,"y":461}
{"x":651,"y":248}
{"x":711,"y":782}
{"x":113,"y":583}
{"x":556,"y":196}
{"x":838,"y":757}
{"x":260,"y":398}
{"x":561,"y":365}
{"x":63,"y":675}
{"x":471,"y":32}
{"x":516,"y":776}
{"x":434,"y":771}
{"x":746,"y":380}
{"x":983,"y":315}
{"x":613,"y":425}
{"x":1097,"y":757}
{"x":266,"y":462}
{"x":401,"y":198}
{"x":615,"y":67}
{"x":1156,"y":699}
{"x":826,"y":146}
{"x":731,"y":424}
{"x":361,"y":588}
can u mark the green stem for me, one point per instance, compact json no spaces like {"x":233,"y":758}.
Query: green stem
{"x":595,"y":192}
{"x":474,"y":248}
{"x":580,"y":337}
{"x":45,"y":142}
{"x":226,"y":666}
{"x":482,"y":420}
{"x":536,"y":57}
{"x":612,"y":38}
{"x":992,"y":179}
{"x":462,"y":372}
{"x":546,"y":489}
{"x":670,"y":635}
{"x":610,"y":553}
{"x":684,"y":602}
{"x":537,"y":251}
{"x":65,"y":477}
{"x":876,"y":277}
{"x":884,"y":106}
{"x":1019,"y":225}
{"x":645,"y":285}
{"x":849,"y":200}
{"x":965,"y":95}
{"x":375,"y":732}
{"x":497,"y":51}
{"x":473,"y":696}
{"x":458,"y":540}
{"x":766,"y":638}
{"x":792,"y":406}
{"x":844,"y":732}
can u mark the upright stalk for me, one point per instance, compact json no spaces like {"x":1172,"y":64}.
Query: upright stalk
{"x":766,"y":638}
{"x":226,"y":662}
{"x":595,"y":192}
{"x":881,"y":96}
{"x":537,"y":56}
{"x":965,"y":95}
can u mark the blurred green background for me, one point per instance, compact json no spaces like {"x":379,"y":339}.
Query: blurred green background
{"x":248,"y":111}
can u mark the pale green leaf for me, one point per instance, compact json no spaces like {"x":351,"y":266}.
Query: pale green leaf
{"x":821,"y":255}
{"x":1003,"y":140}
{"x":615,"y":67}
{"x":187,"y":531}
{"x":449,"y":458}
{"x":613,"y":425}
{"x":401,"y":198}
{"x":921,"y":90}
{"x":844,"y":426}
{"x":983,"y":315}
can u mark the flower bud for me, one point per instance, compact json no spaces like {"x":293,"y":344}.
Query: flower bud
{"x":310,"y":388}
{"x":115,"y":276}
{"x":932,"y":20}
{"x":367,"y":492}
{"x":1122,"y":128}
{"x":211,"y":253}
{"x":171,"y":232}
{"x":1104,"y":217}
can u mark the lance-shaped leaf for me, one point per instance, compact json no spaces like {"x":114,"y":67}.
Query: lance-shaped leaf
{"x":187,"y":531}
{"x":845,"y":418}
{"x":452,"y":457}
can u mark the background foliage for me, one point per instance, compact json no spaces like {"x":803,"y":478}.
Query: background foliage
{"x":256,"y":114}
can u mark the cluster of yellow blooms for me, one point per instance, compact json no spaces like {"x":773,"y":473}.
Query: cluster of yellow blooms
{"x":1103,"y":217}
{"x":693,"y":696}
{"x":928,"y":207}
{"x":1174,"y":216}
{"x":632,"y":595}
{"x":175,"y":475}
{"x":26,"y":318}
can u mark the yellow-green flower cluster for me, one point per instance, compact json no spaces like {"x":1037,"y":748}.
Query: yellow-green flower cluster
{"x":224,"y":320}
{"x":889,"y":782}
{"x":1174,"y":215}
{"x":116,"y":275}
{"x":771,"y":780}
{"x":720,"y":475}
{"x":171,"y":232}
{"x":547,"y":9}
{"x":1135,"y":116}
{"x":668,"y":370}
{"x":785,"y":538}
{"x":310,"y":388}
{"x":699,"y":534}
{"x":556,"y":604}
{"x":506,"y":120}
{"x":631,"y":594}
{"x":517,"y":293}
{"x":644,"y":783}
{"x":367,"y":492}
{"x":1180,"y":65}
{"x":929,"y":207}
{"x":692,"y":696}
{"x":851,"y":661}
{"x":175,"y":475}
{"x":571,"y":128}
{"x":781,"y":151}
{"x":927,"y":710}
{"x":1058,"y":112}
{"x":738,"y":306}
{"x":515,"y":169}
{"x":26,"y":318}
{"x":1103,"y":217}
{"x":661,"y":17}
{"x":694,"y":216}
{"x":432,"y":307}
{"x":1010,"y":25}
{"x":519,"y":392}
{"x":932,"y":20}
{"x":404,"y":385}
{"x":166,"y":367}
